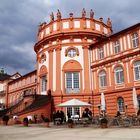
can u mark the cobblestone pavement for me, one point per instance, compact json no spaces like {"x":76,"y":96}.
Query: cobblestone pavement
{"x":39,"y":132}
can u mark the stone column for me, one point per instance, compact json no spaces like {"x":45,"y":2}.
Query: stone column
{"x":86,"y":69}
{"x":58,"y":69}
{"x":50,"y":68}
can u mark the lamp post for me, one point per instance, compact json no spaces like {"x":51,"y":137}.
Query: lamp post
{"x":99,"y":106}
{"x":89,"y":100}
{"x":126,"y":106}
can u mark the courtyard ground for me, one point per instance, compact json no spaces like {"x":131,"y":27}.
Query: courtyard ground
{"x":39,"y":132}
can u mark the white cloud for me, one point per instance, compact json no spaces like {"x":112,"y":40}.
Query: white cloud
{"x":19,"y":21}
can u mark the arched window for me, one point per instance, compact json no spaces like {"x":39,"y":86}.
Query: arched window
{"x":43,"y":83}
{"x":120,"y":104}
{"x":119,"y":75}
{"x":135,"y":40}
{"x":72,"y":74}
{"x":102,"y":79}
{"x":137,"y":70}
{"x":71,"y":52}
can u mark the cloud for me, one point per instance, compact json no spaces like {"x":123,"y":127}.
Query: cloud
{"x":20,"y":19}
{"x":18,"y":58}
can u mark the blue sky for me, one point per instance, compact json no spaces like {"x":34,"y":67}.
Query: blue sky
{"x":19,"y":21}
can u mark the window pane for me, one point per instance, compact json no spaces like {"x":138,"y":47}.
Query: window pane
{"x":77,"y":111}
{"x":121,"y":104}
{"x":43,"y":81}
{"x":69,"y":80}
{"x":72,"y":82}
{"x":116,"y":47}
{"x":72,"y":53}
{"x":101,"y":53}
{"x":119,"y":75}
{"x":137,"y":70}
{"x":135,"y":40}
{"x":102,"y":79}
{"x":76,"y":80}
{"x":69,"y":111}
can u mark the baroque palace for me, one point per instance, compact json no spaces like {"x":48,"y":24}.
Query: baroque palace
{"x":77,"y":58}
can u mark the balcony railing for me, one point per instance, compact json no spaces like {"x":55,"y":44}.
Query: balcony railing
{"x":72,"y":90}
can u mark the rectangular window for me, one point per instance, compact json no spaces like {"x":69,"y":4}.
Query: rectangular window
{"x":135,"y":40}
{"x":102,"y":81}
{"x":116,"y":47}
{"x":73,"y":111}
{"x":137,"y":73}
{"x":72,"y":82}
{"x":101,"y":53}
{"x":119,"y":77}
{"x":121,"y":105}
{"x":43,"y":83}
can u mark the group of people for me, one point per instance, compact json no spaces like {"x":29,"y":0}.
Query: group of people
{"x":87,"y":114}
{"x":58,"y":115}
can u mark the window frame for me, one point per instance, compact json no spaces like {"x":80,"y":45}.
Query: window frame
{"x":136,"y":66}
{"x":43,"y":83}
{"x":121,"y":104}
{"x":101,"y":53}
{"x":119,"y":72}
{"x":135,"y":40}
{"x":116,"y":46}
{"x":102,"y":79}
{"x":74,"y":86}
{"x":74,"y":111}
{"x":71,"y":52}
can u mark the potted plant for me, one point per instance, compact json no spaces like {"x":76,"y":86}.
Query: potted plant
{"x":25,"y":121}
{"x":16,"y":120}
{"x":5,"y":119}
{"x":70,"y":123}
{"x":103,"y":123}
{"x":46,"y":122}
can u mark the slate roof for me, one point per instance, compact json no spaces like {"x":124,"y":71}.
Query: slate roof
{"x":4,"y":76}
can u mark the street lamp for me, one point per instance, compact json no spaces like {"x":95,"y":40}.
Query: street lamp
{"x":99,"y":106}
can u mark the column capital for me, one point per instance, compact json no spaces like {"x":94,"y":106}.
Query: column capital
{"x":50,"y":50}
{"x":58,"y":48}
{"x":85,"y":47}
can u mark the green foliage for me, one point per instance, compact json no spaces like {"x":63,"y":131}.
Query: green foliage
{"x":25,"y":120}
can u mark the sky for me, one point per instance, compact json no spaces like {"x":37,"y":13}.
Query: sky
{"x":19,"y":20}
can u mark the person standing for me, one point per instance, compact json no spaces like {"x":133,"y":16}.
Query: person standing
{"x":35,"y":118}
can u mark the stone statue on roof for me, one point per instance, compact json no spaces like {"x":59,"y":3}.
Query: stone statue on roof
{"x":91,"y":14}
{"x":84,"y":13}
{"x":51,"y":17}
{"x":109,"y":23}
{"x":58,"y":15}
